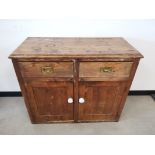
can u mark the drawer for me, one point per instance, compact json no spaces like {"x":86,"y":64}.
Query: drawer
{"x":46,"y":69}
{"x":107,"y":71}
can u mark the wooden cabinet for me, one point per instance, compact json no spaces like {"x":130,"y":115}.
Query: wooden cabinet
{"x":75,"y":79}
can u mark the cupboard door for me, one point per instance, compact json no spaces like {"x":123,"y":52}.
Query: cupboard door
{"x":99,"y":101}
{"x":51,"y":101}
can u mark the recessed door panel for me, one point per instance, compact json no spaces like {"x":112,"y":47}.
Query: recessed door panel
{"x":49,"y":100}
{"x":101,"y":100}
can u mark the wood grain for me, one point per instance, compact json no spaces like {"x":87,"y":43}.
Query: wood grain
{"x":24,"y":91}
{"x":49,"y":100}
{"x":34,"y":69}
{"x":92,"y":70}
{"x":45,"y":47}
{"x":76,"y":88}
{"x":101,"y":100}
{"x":51,"y":70}
{"x":127,"y":88}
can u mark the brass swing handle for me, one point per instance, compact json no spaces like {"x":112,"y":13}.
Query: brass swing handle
{"x":106,"y":69}
{"x":47,"y":70}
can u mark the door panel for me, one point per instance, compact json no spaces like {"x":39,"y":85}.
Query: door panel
{"x":102,"y":100}
{"x":49,"y":100}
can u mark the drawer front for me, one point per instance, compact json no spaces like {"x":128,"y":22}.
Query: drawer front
{"x":46,"y":69}
{"x":107,"y":71}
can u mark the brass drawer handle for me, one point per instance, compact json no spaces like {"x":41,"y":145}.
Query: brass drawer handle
{"x":47,"y":70}
{"x":106,"y":69}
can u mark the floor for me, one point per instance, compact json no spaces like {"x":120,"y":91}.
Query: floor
{"x":138,"y":117}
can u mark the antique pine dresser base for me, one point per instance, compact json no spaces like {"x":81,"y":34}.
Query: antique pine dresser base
{"x":75,"y":79}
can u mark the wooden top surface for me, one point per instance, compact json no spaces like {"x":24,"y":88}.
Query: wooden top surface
{"x":42,"y":47}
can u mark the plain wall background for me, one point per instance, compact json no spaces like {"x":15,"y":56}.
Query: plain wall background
{"x":140,"y":33}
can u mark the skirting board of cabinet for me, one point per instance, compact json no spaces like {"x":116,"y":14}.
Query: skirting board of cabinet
{"x":10,"y":93}
{"x":132,"y":92}
{"x":141,"y":92}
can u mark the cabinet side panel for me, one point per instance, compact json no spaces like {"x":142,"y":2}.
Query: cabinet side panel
{"x":128,"y":85}
{"x":23,"y":89}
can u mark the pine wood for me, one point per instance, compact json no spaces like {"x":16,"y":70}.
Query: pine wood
{"x":76,"y":90}
{"x":101,"y":100}
{"x":48,"y":100}
{"x":51,"y":70}
{"x":121,"y":70}
{"x":34,"y":69}
{"x":38,"y":47}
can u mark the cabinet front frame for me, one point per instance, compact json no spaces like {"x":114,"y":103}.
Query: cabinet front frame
{"x":75,"y":80}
